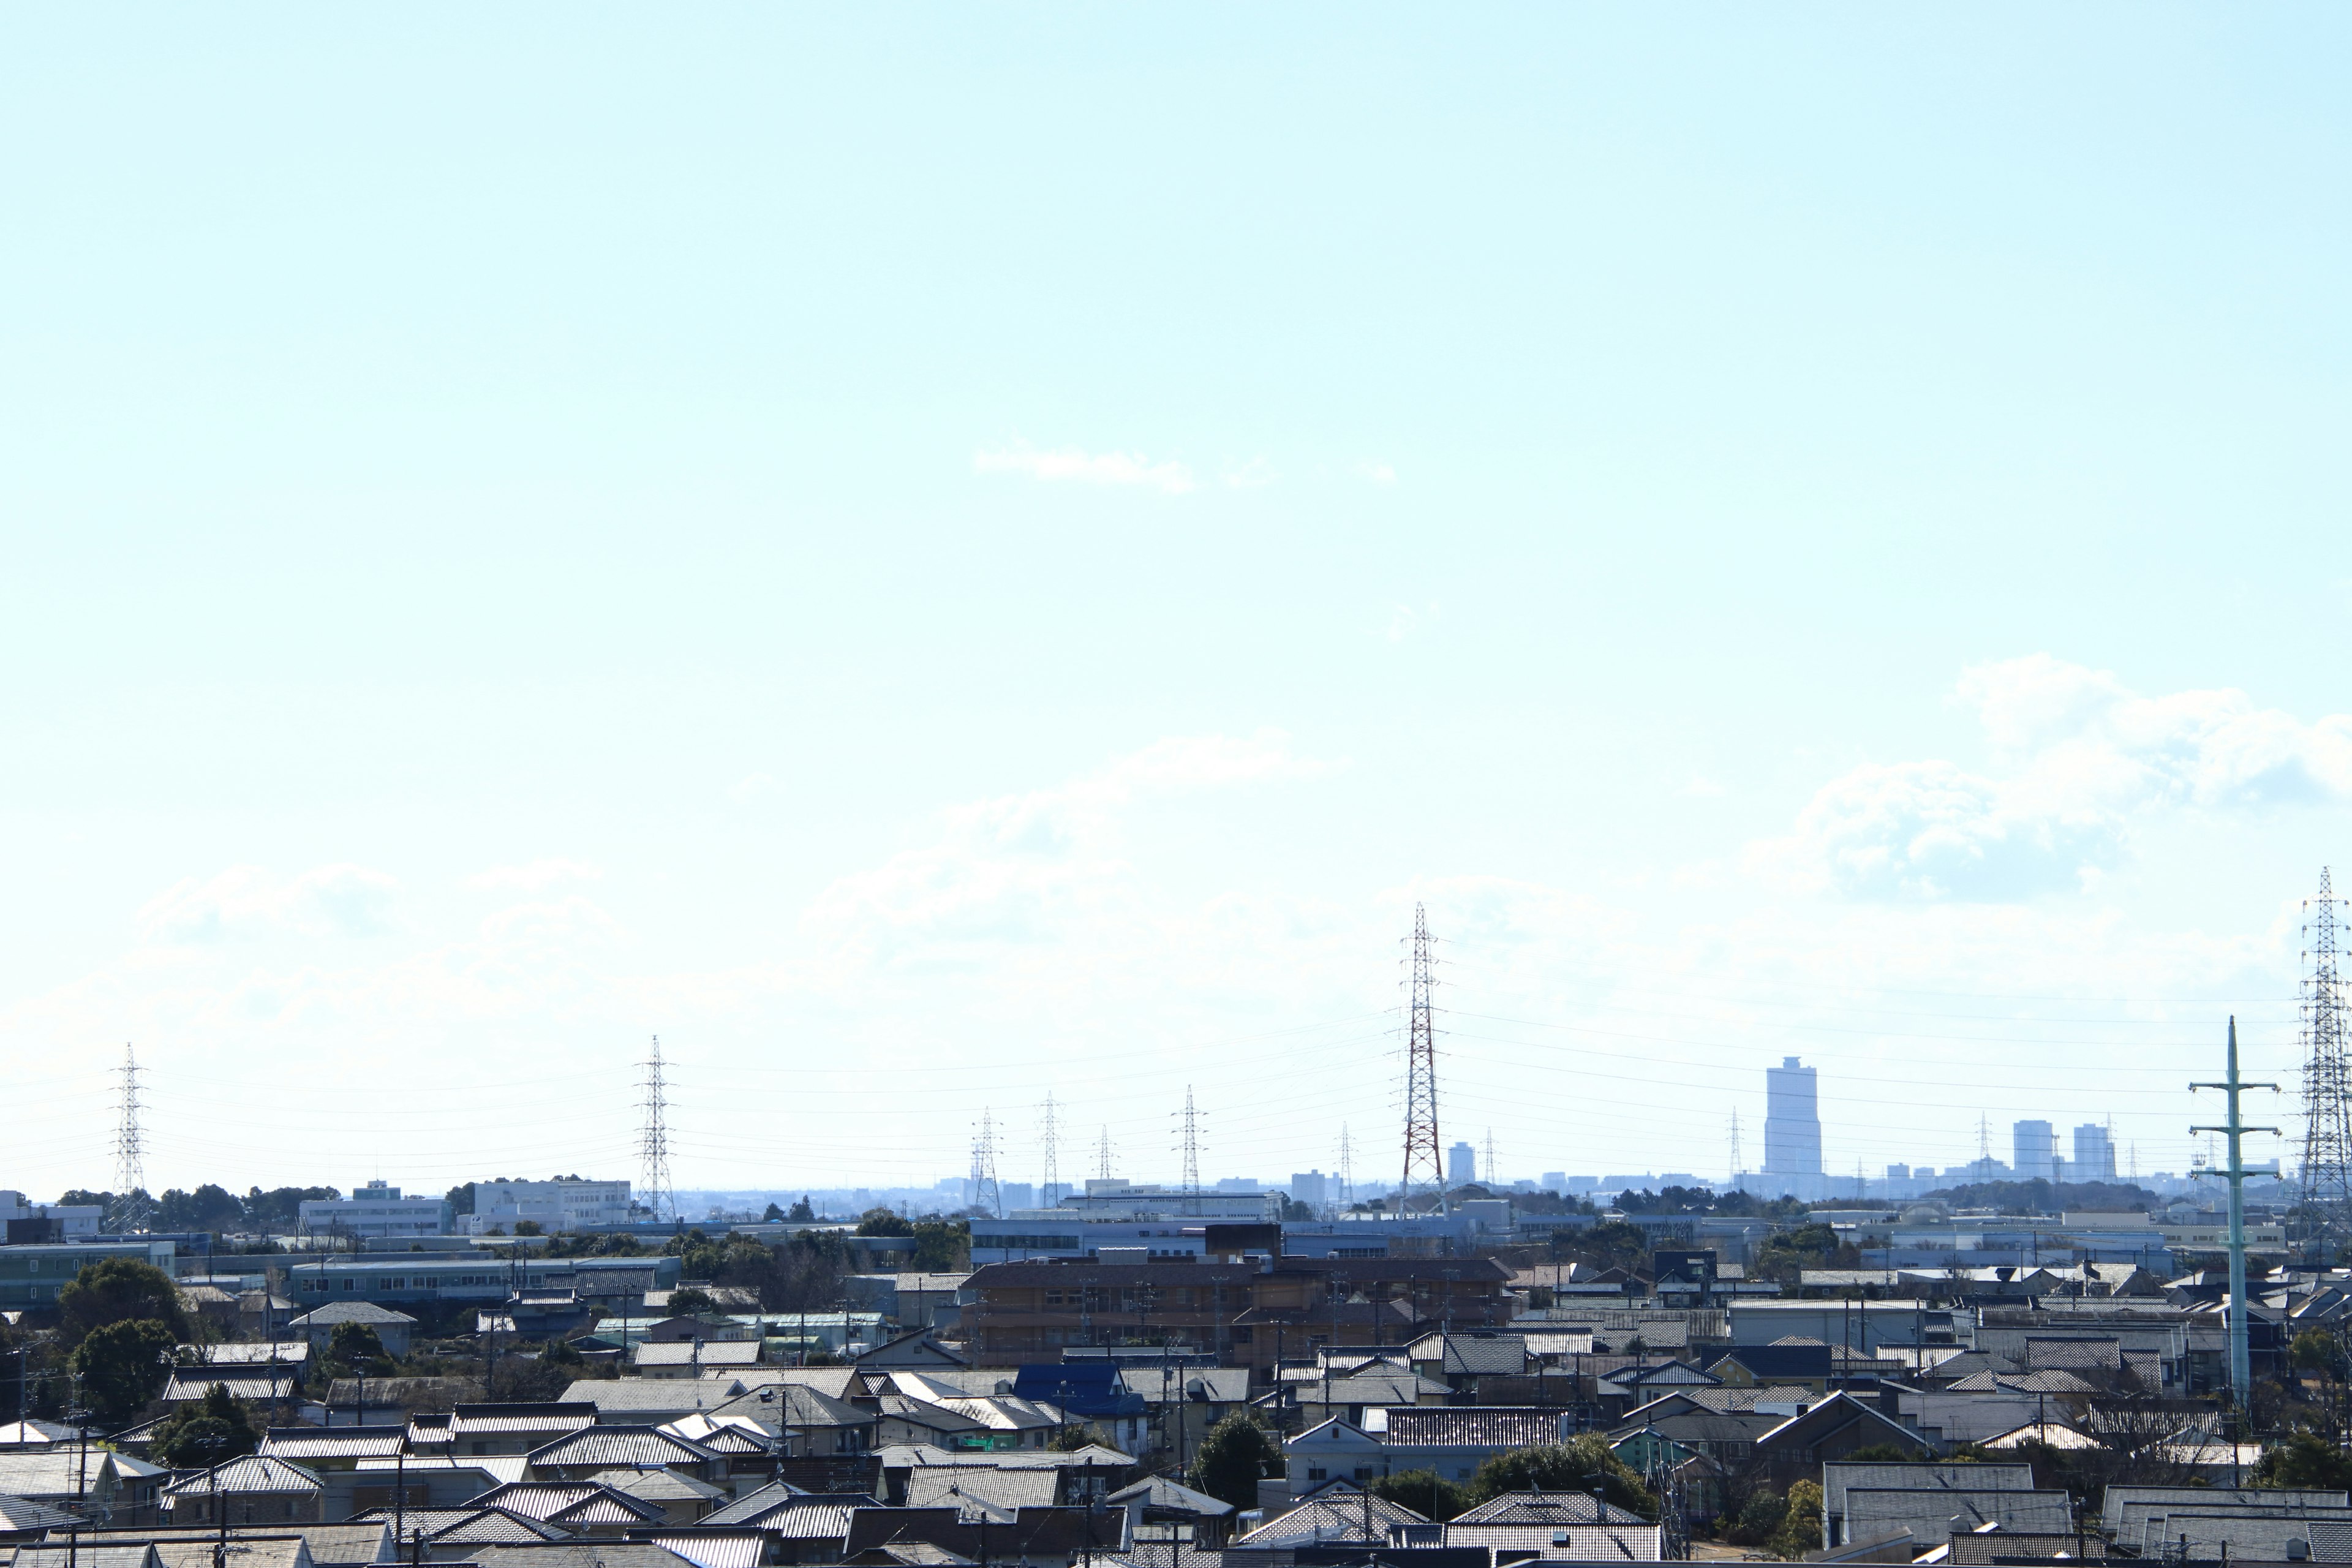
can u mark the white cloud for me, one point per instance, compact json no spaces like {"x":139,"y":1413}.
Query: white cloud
{"x":1699,"y":787}
{"x":1378,"y":473}
{"x":533,"y":876}
{"x":1253,"y":474}
{"x":751,"y":786}
{"x":249,"y":901}
{"x":1167,"y":476}
{"x":2080,"y":758}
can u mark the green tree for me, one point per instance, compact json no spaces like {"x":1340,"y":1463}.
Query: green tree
{"x":1612,"y":1242}
{"x":771,"y":1214}
{"x":1233,"y":1458}
{"x":1800,"y":1524}
{"x":1570,"y":1466}
{"x":123,"y":1366}
{"x":1424,"y":1491}
{"x":1758,"y":1520}
{"x":1785,"y":1253}
{"x":802,"y":1213}
{"x":2315,"y":1350}
{"x":212,"y":1431}
{"x":461,"y":1199}
{"x":882,"y":1222}
{"x":118,"y":1290}
{"x":942,"y":1246}
{"x":354,"y":1348}
{"x":691,"y":1298}
{"x":2305,"y":1460}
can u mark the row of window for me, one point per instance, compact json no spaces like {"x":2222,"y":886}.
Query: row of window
{"x":408,"y":1282}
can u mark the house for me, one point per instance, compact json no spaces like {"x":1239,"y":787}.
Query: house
{"x":261,"y":1385}
{"x":1168,"y":1510}
{"x":257,"y":1489}
{"x":320,"y":1449}
{"x":111,"y":1487}
{"x":1094,"y":1392}
{"x":1557,"y":1525}
{"x":580,"y":1507}
{"x":1806,"y":1364}
{"x":1831,"y":1430}
{"x":799,"y":1527}
{"x":318,"y":1324}
{"x":1334,"y":1450}
{"x":595,"y":1449}
{"x":694,"y":1357}
{"x":682,"y":1498}
{"x":1454,"y":1440}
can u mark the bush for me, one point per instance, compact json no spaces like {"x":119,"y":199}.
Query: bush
{"x":215,"y":1430}
{"x":1233,"y":1458}
{"x":1424,"y":1491}
{"x":1570,"y":1466}
{"x":1800,"y":1524}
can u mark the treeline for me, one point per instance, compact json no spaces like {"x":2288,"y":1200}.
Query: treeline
{"x":2042,"y":1196}
{"x":212,"y":1207}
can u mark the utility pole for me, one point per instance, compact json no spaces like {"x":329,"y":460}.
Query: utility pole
{"x":1423,"y":1151}
{"x":2236,"y":1129}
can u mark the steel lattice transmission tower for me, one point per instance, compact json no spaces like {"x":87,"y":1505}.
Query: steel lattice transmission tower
{"x":1102,"y":1155}
{"x":653,"y":1149}
{"x":1423,"y":1151}
{"x":130,"y":1210}
{"x":1051,"y":1132}
{"x":1191,"y":1155}
{"x":2326,"y":1075}
{"x":985,"y":1196}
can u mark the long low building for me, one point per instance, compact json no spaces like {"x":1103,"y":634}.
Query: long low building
{"x":32,"y":1275}
{"x":477,"y":1280}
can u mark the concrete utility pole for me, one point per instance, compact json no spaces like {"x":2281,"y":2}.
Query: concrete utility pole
{"x":2235,"y":1129}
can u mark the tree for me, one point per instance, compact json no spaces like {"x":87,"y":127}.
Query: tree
{"x":773,"y":1215}
{"x":883,"y":1222}
{"x":942,"y":1246}
{"x":1233,"y":1458}
{"x":461,"y":1199}
{"x":119,"y":1290}
{"x":802,"y":1213}
{"x":1785,"y":1254}
{"x":354,"y":1348}
{"x":2305,"y":1460}
{"x":691,"y":1298}
{"x":1569,"y":1467}
{"x":1800,"y":1524}
{"x":123,"y":1366}
{"x":1424,"y":1491}
{"x":212,"y":1431}
{"x":2315,"y":1350}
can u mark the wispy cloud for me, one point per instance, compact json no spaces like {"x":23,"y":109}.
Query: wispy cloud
{"x":534,"y":876}
{"x":250,"y":901}
{"x":1255,"y":474}
{"x":751,"y":786}
{"x":1072,"y":463}
{"x":1378,"y":473}
{"x":2079,"y":759}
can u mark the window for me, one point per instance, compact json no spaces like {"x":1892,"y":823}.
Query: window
{"x":1315,"y":1473}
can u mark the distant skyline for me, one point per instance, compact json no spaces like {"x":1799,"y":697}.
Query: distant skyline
{"x":932,"y":556}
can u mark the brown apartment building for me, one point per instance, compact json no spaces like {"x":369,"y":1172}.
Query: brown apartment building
{"x":1248,"y":1313}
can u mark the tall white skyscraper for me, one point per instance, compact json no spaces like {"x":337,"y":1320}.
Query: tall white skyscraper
{"x":2035,"y":1147}
{"x":2094,"y":1154}
{"x":1461,"y":1166}
{"x":1792,"y":1121}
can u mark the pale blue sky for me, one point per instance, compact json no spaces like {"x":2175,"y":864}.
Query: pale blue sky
{"x":931,"y":554}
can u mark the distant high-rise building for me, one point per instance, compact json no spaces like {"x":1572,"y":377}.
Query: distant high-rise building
{"x":1019,"y":1196}
{"x":1461,"y":1166}
{"x":2095,"y":1153}
{"x":1555,"y":1182}
{"x":1792,"y":1121}
{"x":1309,"y":1187}
{"x":1898,"y":1172}
{"x":2035,"y":1146}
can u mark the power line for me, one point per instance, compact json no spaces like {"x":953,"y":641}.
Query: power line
{"x":653,"y":1146}
{"x":1422,"y":1149}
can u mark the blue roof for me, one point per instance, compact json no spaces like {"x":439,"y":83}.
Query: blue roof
{"x":1089,"y":1389}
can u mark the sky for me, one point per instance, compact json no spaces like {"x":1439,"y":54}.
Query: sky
{"x":934,"y":556}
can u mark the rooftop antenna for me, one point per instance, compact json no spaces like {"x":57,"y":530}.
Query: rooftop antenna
{"x":131,"y":1211}
{"x":2326,"y":1177}
{"x":1423,"y":1151}
{"x":1051,"y":1132}
{"x":653,"y":1147}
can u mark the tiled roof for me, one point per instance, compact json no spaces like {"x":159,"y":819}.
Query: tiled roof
{"x":1339,"y":1513}
{"x":580,"y":1554}
{"x":300,"y":1443}
{"x":1467,"y":1425}
{"x":657,"y":1485}
{"x":554,"y":1417}
{"x":17,"y":1514}
{"x":85,"y":1556}
{"x":715,"y":1548}
{"x":1005,"y":1490}
{"x":800,"y":1516}
{"x":335,"y":1313}
{"x":604,"y":1446}
{"x":253,"y":1473}
{"x":1548,"y":1507}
